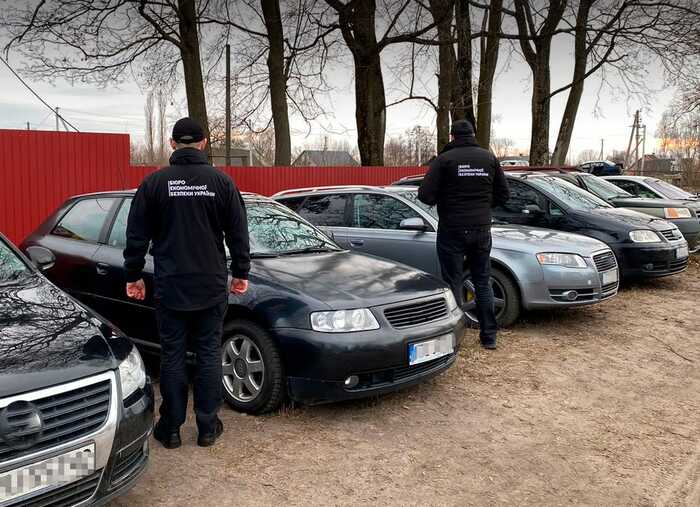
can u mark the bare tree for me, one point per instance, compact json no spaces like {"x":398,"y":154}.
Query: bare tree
{"x":502,"y":146}
{"x":490,"y":47}
{"x":150,"y":127}
{"x":162,"y":127}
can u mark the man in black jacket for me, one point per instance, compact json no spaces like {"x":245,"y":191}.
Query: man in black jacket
{"x":187,"y":210}
{"x":466,"y":181}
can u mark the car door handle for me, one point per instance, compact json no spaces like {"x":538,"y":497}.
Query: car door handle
{"x":102,"y":268}
{"x":357,"y":242}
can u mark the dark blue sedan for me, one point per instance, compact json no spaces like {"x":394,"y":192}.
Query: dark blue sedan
{"x":318,"y":324}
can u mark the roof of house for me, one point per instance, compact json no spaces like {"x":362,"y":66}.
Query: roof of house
{"x":325,"y":158}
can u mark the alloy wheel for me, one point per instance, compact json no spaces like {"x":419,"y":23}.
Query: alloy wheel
{"x":469,"y":298}
{"x":243,"y":368}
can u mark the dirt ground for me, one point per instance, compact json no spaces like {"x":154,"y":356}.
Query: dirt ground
{"x":594,"y":406}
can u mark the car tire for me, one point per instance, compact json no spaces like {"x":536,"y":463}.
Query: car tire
{"x":250,"y":360}
{"x":506,"y":290}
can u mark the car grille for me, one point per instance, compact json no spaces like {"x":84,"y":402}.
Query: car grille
{"x":604,"y":261}
{"x":609,"y":290}
{"x":390,"y":376}
{"x":66,"y":496}
{"x":672,"y":234}
{"x":127,"y":463}
{"x":671,"y":267}
{"x":416,"y":313}
{"x":66,"y":416}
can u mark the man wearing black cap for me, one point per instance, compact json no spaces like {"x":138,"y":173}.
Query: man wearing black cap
{"x":466,"y":181}
{"x":187,"y":211}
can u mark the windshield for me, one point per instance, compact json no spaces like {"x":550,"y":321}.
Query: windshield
{"x":604,"y":189}
{"x":274,"y":229}
{"x":412,"y":196}
{"x":669,"y":191}
{"x":11,"y":266}
{"x":571,"y":195}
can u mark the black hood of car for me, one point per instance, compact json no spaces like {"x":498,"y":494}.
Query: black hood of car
{"x":626,"y":219}
{"x":345,"y":280}
{"x":642,"y":202}
{"x":46,"y":338}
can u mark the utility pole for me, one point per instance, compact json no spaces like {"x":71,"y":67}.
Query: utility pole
{"x":418,"y":145}
{"x":28,"y":126}
{"x":602,"y":148}
{"x":57,"y":118}
{"x":228,"y":105}
{"x":644,"y":145}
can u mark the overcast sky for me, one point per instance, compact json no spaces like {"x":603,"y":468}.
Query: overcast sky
{"x":120,"y":109}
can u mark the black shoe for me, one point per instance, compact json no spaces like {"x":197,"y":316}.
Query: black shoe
{"x":169,"y":439}
{"x":209,"y":439}
{"x":489,"y":344}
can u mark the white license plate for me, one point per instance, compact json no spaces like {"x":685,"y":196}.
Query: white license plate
{"x":48,"y":474}
{"x":681,"y":252}
{"x":430,"y":349}
{"x":609,"y":276}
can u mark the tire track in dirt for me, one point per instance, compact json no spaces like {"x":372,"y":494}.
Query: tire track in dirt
{"x":685,"y":490}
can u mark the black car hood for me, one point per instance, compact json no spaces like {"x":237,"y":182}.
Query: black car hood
{"x":642,"y":202}
{"x":346,"y":280}
{"x":628,"y":218}
{"x":46,"y":338}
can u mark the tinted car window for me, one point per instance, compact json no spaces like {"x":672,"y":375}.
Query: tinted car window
{"x":293,"y":203}
{"x":11,"y":266}
{"x":325,"y":210}
{"x":603,"y":188}
{"x":627,"y":186}
{"x":85,"y":219}
{"x":372,"y":211}
{"x":569,"y":194}
{"x":117,"y":238}
{"x":520,"y":196}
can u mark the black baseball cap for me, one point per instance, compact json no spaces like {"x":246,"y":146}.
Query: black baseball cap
{"x":187,"y":131}
{"x":462,"y":128}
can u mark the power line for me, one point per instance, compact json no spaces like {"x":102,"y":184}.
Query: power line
{"x":36,"y":94}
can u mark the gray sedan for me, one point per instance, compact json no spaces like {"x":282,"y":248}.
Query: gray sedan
{"x":532,"y":268}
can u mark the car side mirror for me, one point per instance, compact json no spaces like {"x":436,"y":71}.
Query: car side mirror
{"x":533,"y":210}
{"x":413,"y":224}
{"x":41,"y":257}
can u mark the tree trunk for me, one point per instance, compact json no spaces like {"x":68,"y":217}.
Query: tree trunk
{"x":358,"y":28}
{"x":278,"y":82}
{"x":487,"y":70}
{"x":446,"y":74}
{"x":464,"y":99}
{"x":539,"y":140}
{"x":566,"y":129}
{"x":192,"y":64}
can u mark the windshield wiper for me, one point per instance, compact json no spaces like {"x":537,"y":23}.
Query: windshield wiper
{"x":263,"y":255}
{"x":310,"y":249}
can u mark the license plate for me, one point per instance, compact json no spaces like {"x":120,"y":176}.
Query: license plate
{"x":430,"y":349}
{"x":609,"y":276}
{"x":48,"y":474}
{"x":681,"y":252}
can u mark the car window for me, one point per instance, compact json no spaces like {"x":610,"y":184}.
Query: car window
{"x":569,"y":194}
{"x":84,"y":221}
{"x":11,"y":266}
{"x":293,"y":203}
{"x":521,"y":196}
{"x":627,"y":186}
{"x":603,"y":188}
{"x":117,"y":238}
{"x":277,"y":230}
{"x":643,"y":191}
{"x":374,"y":211}
{"x":412,"y":195}
{"x":325,"y":210}
{"x":668,"y":190}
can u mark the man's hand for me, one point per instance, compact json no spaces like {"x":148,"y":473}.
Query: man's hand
{"x":136,"y":290}
{"x":239,"y":286}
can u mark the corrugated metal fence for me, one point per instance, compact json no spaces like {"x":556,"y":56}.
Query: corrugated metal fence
{"x":39,"y":170}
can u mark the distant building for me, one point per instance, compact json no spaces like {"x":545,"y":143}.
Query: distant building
{"x":239,"y":157}
{"x":324,"y":158}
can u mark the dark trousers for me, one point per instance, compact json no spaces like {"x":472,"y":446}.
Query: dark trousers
{"x":202,"y":329}
{"x":475,"y":245}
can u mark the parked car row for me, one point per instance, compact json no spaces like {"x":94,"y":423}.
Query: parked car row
{"x":345,"y":301}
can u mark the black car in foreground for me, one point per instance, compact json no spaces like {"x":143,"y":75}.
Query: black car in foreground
{"x":645,"y":246}
{"x":678,"y":212}
{"x":318,"y":323}
{"x":76,"y":406}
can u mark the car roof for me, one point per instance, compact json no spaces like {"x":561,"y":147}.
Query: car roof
{"x":130,"y":192}
{"x":349,"y":189}
{"x":630,"y":177}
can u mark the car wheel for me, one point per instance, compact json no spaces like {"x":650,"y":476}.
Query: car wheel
{"x":253,"y":376}
{"x":505,"y":294}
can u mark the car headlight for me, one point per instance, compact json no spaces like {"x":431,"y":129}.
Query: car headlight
{"x":132,"y":373}
{"x":566,"y":260}
{"x":451,"y":301}
{"x":344,"y":321}
{"x":644,"y":236}
{"x":677,"y":213}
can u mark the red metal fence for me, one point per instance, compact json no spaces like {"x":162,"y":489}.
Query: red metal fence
{"x":39,"y":170}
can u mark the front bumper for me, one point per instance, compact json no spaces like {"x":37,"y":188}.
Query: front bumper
{"x":640,"y":260}
{"x":317,"y":364}
{"x":121,"y":453}
{"x":690,"y":228}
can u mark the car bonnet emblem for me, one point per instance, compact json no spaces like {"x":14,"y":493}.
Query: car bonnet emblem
{"x":21,"y":425}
